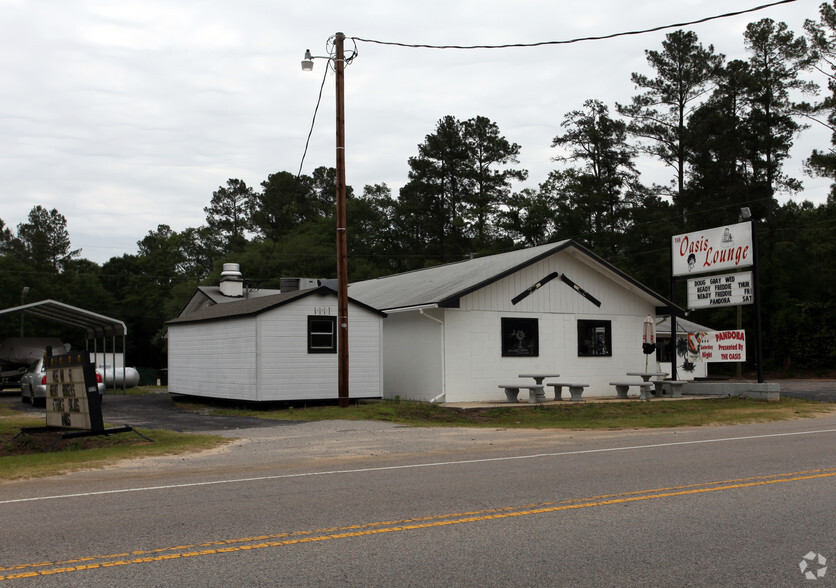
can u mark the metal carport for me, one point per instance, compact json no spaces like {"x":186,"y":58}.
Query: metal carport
{"x":96,"y":325}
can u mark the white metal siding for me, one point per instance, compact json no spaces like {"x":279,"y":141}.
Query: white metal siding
{"x":413,"y":356}
{"x":214,"y":359}
{"x":556,"y":296}
{"x":288,"y":372}
{"x":474,"y":366}
{"x":265,"y":358}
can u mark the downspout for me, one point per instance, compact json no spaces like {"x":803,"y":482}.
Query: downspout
{"x":114,"y":364}
{"x":258,"y":375}
{"x":124,"y":366}
{"x":443,"y":357}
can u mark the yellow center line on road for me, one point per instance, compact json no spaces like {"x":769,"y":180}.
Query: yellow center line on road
{"x":300,"y":537}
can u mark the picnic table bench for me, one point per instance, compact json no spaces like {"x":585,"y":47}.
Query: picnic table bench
{"x":621,"y":388}
{"x":672,"y":388}
{"x":575,"y":390}
{"x":535,"y":392}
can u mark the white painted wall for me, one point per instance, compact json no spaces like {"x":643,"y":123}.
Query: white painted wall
{"x":413,"y":355}
{"x":215,"y":359}
{"x":475,"y":366}
{"x":556,"y":296}
{"x":472,"y":361}
{"x":265,"y":357}
{"x":288,"y":372}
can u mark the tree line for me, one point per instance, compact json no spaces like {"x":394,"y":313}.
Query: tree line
{"x":723,"y":128}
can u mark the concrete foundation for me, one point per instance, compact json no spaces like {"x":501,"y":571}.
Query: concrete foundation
{"x":766,"y":391}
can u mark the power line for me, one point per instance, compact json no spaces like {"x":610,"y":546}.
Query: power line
{"x":523,"y":45}
{"x":310,"y":132}
{"x":579,"y":39}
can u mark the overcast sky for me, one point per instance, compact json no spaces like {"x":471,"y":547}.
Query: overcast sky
{"x":127,"y":114}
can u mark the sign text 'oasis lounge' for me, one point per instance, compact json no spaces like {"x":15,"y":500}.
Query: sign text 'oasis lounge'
{"x":711,"y":250}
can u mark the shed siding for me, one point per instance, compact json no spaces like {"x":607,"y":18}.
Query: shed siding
{"x":213,"y":359}
{"x":287,"y":371}
{"x":265,"y":357}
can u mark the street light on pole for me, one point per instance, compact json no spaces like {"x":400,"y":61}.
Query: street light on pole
{"x":338,"y":59}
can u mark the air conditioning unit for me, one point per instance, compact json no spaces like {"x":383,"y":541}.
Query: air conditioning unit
{"x":293,"y":284}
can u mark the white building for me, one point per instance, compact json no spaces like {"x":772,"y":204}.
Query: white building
{"x":455,"y":332}
{"x":272,"y":347}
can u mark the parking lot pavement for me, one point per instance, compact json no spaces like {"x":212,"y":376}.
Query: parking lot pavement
{"x":819,"y":390}
{"x":155,"y":411}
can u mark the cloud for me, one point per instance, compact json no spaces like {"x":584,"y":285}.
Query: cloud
{"x":126,"y":115}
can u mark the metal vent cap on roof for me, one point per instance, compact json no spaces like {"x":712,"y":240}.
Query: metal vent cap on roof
{"x":232,"y":281}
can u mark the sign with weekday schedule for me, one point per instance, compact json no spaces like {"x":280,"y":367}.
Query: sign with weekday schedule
{"x":72,"y":395}
{"x":723,"y":290}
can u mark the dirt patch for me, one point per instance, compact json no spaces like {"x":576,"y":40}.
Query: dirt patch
{"x":29,"y":442}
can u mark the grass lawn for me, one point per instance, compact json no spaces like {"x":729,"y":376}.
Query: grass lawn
{"x":586,"y":415}
{"x":37,"y":454}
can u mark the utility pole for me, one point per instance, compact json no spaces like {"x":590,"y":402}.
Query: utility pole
{"x":342,"y":241}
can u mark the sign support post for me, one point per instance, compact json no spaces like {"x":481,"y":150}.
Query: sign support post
{"x":723,"y":248}
{"x":673,"y":325}
{"x":756,"y":279}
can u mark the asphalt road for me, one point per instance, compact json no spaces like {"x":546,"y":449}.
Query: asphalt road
{"x":374,"y":504}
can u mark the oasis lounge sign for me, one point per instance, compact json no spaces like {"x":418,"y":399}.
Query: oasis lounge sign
{"x":714,"y":250}
{"x":732,"y":247}
{"x":718,"y":249}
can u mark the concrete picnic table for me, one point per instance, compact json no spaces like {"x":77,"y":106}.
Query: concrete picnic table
{"x":645,"y":376}
{"x":538,"y":378}
{"x":540,"y":395}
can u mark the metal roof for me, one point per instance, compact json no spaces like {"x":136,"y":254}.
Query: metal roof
{"x":243,"y":307}
{"x":96,"y":325}
{"x":444,"y":285}
{"x":252,"y":306}
{"x":683,"y":326}
{"x":215,"y":295}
